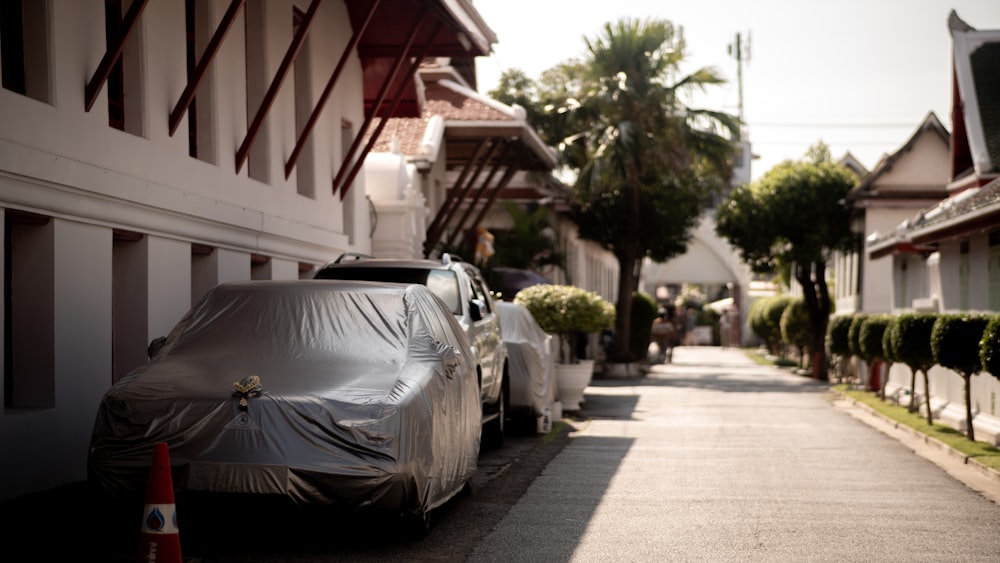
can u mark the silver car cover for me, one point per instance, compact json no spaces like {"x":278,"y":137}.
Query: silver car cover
{"x":529,"y":357}
{"x":343,"y":394}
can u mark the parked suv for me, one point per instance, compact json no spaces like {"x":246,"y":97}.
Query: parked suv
{"x":462,"y":288}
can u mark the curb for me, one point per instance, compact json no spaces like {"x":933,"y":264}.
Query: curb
{"x":921,"y":437}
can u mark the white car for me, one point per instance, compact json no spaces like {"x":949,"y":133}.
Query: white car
{"x":464,"y":291}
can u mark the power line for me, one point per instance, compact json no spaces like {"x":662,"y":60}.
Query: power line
{"x":838,"y":125}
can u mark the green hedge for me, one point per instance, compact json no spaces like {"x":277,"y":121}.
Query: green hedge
{"x":955,"y":342}
{"x":854,"y":334}
{"x":836,"y":335}
{"x":870,"y":336}
{"x":989,"y":347}
{"x":795,"y":327}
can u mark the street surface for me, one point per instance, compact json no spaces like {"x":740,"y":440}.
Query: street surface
{"x":710,"y":458}
{"x":713,"y":458}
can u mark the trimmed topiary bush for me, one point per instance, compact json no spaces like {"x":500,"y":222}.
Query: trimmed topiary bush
{"x":870,"y":338}
{"x":771,"y":312}
{"x":955,"y":345}
{"x":836,"y":335}
{"x":796,"y":329}
{"x":911,"y":344}
{"x":890,"y":353}
{"x":566,"y":310}
{"x":989,"y":347}
{"x":755,"y":319}
{"x":837,"y":343}
{"x":854,"y":334}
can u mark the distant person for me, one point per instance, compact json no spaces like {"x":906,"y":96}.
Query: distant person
{"x":725,"y":330}
{"x":664,"y":335}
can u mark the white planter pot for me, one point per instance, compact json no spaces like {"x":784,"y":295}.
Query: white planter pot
{"x":571,"y":381}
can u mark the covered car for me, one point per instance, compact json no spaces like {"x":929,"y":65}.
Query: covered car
{"x":348,"y":395}
{"x":531,"y":366}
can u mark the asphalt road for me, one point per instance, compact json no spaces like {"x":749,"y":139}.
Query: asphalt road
{"x":714,"y":458}
{"x":710,"y":458}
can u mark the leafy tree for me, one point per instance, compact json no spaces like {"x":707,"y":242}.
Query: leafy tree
{"x":837,"y":341}
{"x":911,"y":344}
{"x":794,"y":216}
{"x":955,"y":342}
{"x":528,"y":244}
{"x":637,"y":150}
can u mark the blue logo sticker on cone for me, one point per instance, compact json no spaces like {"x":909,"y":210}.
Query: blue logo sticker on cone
{"x":159,"y":541}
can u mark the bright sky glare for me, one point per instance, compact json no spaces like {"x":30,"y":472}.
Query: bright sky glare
{"x":860,"y":75}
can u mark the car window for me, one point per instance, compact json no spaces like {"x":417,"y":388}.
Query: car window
{"x":443,"y":283}
{"x":483,"y":294}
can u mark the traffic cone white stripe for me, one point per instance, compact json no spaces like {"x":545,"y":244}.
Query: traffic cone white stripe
{"x":159,"y":541}
{"x":160,"y":519}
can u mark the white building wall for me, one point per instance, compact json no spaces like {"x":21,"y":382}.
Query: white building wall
{"x":168,"y":259}
{"x":64,"y":163}
{"x":875,"y":292}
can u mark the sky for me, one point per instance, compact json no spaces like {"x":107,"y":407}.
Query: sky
{"x":859,"y":75}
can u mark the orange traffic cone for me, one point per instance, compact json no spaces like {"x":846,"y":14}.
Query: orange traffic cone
{"x":159,"y":541}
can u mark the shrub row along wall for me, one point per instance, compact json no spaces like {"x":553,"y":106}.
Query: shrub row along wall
{"x":945,"y":365}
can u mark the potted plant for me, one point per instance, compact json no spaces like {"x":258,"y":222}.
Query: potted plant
{"x":566,"y":311}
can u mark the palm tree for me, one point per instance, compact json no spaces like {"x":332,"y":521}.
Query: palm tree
{"x":637,"y":141}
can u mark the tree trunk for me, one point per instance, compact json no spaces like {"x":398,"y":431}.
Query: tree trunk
{"x":623,"y":306}
{"x":927,"y":398}
{"x":912,"y":407}
{"x":885,"y":380}
{"x":812,"y":278}
{"x":629,"y":263}
{"x":969,"y":430}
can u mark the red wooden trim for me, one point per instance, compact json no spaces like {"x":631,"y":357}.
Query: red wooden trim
{"x":259,"y":259}
{"x":206,"y":58}
{"x":201,"y":249}
{"x":432,"y":230}
{"x":276,"y":82}
{"x":321,"y":103}
{"x":380,"y":97}
{"x":20,"y":217}
{"x":456,"y":196}
{"x":482,"y":189}
{"x":373,"y":138}
{"x":112,"y":55}
{"x":508,"y":175}
{"x":129,"y":236}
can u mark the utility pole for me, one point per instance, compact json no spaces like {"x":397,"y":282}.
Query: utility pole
{"x":740,"y":50}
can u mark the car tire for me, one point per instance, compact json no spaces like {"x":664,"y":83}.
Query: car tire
{"x":416,"y":526}
{"x":493,"y":431}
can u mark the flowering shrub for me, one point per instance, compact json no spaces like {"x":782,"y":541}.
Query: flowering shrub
{"x":566,"y":310}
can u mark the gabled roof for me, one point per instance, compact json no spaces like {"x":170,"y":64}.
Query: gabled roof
{"x":468,"y":117}
{"x":975,"y":210}
{"x":868,"y":187}
{"x":486,"y":144}
{"x":395,"y":32}
{"x":852,"y":163}
{"x":975,"y":101}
